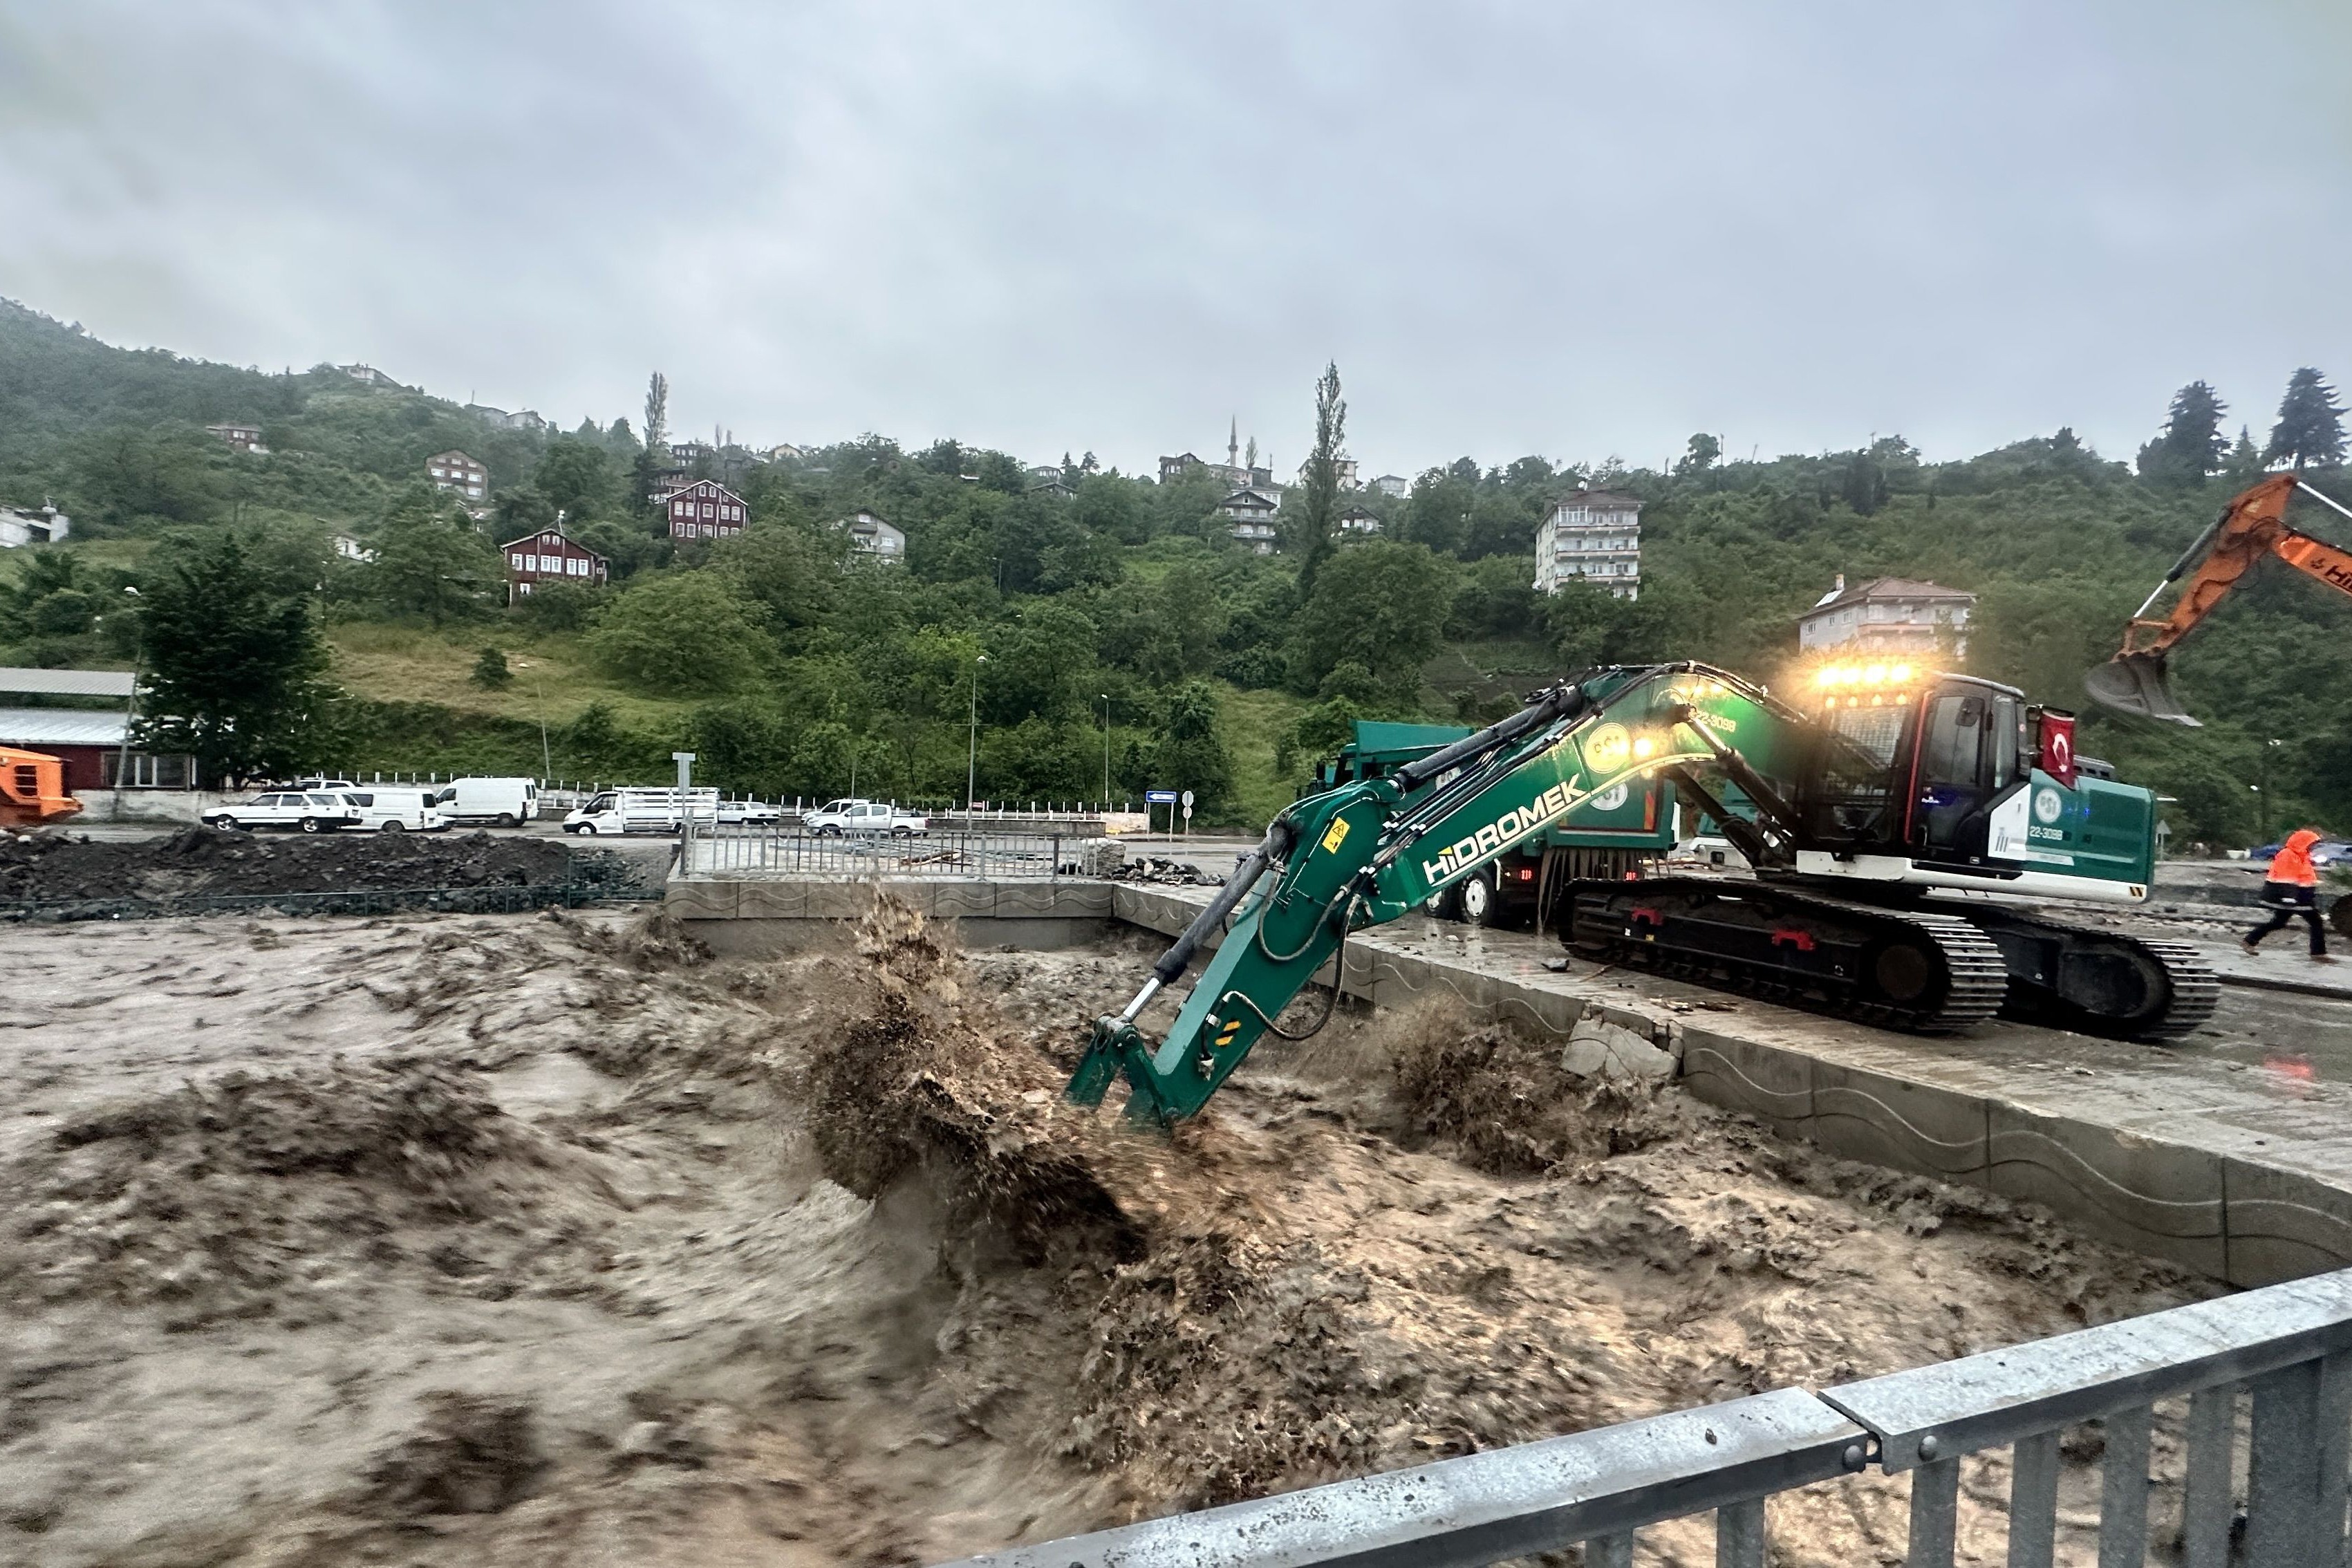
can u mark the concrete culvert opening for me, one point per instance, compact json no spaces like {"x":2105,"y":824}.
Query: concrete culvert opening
{"x":526,"y":1238}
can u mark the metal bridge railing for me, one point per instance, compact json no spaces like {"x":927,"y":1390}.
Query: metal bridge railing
{"x":2286,"y":1349}
{"x":730,"y":851}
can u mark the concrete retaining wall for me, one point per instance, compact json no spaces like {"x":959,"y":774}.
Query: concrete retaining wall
{"x":2174,"y":1155}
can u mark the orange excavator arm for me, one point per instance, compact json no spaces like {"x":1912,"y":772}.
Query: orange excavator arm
{"x":2253,"y":525}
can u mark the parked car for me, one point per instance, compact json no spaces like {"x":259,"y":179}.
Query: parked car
{"x":872,"y":818}
{"x":507,"y":803}
{"x":299,"y":811}
{"x":396,"y":810}
{"x":324,"y":784}
{"x":749,"y":813}
{"x":647,"y":810}
{"x":2327,"y":852}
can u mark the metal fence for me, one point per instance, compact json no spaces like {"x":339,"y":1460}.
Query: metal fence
{"x":2285,"y":1351}
{"x":733,"y":851}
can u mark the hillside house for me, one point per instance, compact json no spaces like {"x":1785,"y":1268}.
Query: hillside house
{"x":705,"y":508}
{"x":1595,"y":535}
{"x":1357,"y":523}
{"x":872,"y":539}
{"x":461,"y":475}
{"x":240,"y":437}
{"x":548,"y":557}
{"x":1888,"y":615}
{"x":46,"y":526}
{"x":366,"y":375}
{"x":1393,"y":485}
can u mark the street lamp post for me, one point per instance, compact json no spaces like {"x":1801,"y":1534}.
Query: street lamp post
{"x":1106,"y":701}
{"x":2262,"y":792}
{"x":971,"y":758}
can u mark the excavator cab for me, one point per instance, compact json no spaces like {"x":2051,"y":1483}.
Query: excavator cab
{"x":1913,"y":763}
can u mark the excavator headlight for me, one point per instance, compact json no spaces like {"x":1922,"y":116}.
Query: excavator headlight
{"x":1875,"y":675}
{"x":1643,"y":746}
{"x":1900,"y":674}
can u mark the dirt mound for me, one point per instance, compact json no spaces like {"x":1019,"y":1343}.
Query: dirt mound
{"x":225,"y":1198}
{"x":62,"y":867}
{"x":1502,"y":1103}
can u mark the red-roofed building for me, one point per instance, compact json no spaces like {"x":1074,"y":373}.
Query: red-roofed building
{"x":705,"y":510}
{"x":548,"y":557}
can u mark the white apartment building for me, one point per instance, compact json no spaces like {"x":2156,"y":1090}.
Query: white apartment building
{"x":1592,"y":534}
{"x":1888,"y":615}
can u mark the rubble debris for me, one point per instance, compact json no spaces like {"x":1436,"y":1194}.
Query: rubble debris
{"x":51,"y":868}
{"x":1162,"y":870}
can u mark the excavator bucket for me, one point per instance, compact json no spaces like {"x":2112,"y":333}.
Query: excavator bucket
{"x":2138,"y":683}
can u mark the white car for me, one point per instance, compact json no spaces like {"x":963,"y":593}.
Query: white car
{"x":389,"y":810}
{"x":749,"y":813}
{"x":299,"y":811}
{"x":644,"y":810}
{"x":870,"y":819}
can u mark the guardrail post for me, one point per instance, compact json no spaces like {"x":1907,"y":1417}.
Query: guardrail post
{"x":1740,"y":1535}
{"x":2033,"y":1502}
{"x":2207,"y":1505}
{"x":2123,"y":1490}
{"x":1935,"y":1514}
{"x":2282,"y":1510}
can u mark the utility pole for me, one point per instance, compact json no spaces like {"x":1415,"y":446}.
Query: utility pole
{"x":972,"y":759}
{"x":1106,"y":696}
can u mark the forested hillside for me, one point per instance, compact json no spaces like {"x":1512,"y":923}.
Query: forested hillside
{"x":787,"y":665}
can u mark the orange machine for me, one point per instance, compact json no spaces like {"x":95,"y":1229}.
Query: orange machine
{"x":33,"y":790}
{"x":2252,"y":526}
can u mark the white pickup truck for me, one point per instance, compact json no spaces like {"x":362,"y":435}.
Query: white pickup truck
{"x":875,"y":819}
{"x":654,"y":809}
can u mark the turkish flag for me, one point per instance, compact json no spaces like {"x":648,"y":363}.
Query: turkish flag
{"x":2058,"y":746}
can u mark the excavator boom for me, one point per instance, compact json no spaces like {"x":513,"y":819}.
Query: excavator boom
{"x":2137,"y":680}
{"x":1374,"y":850}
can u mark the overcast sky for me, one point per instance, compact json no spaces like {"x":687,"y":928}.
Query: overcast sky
{"x":1573,"y":229}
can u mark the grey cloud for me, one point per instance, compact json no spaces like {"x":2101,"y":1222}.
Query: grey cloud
{"x":1571,"y":229}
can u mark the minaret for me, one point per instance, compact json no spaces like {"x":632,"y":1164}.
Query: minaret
{"x":1233,"y":445}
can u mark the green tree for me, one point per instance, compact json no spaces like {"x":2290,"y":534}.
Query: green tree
{"x":1437,"y":512}
{"x":577,"y":477}
{"x":1306,"y":527}
{"x":234,"y":668}
{"x":2191,"y":445}
{"x":1379,"y":603}
{"x":491,"y":671}
{"x":1190,"y":754}
{"x":682,"y":631}
{"x":1698,"y":457}
{"x":431,"y":562}
{"x":2310,"y":429}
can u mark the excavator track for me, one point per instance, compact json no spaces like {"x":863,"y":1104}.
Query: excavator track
{"x":2099,"y":982}
{"x":1915,"y":970}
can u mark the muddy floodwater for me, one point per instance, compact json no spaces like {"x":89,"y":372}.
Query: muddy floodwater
{"x":548,"y":1239}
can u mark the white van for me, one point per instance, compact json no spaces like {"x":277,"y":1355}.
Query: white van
{"x":388,"y":810}
{"x":653,"y":809}
{"x":508,"y":803}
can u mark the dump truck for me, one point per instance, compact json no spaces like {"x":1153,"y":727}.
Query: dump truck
{"x":33,"y":789}
{"x":1909,"y":830}
{"x":1615,"y":833}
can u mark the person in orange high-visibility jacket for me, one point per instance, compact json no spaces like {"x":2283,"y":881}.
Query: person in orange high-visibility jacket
{"x":2291,"y":887}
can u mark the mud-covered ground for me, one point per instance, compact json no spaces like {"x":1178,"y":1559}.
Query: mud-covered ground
{"x":62,"y":866}
{"x":544,"y":1240}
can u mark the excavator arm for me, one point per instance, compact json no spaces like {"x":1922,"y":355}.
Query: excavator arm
{"x":2253,"y":525}
{"x":1370,"y":851}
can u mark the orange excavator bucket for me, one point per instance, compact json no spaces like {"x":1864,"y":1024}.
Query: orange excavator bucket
{"x":33,"y":789}
{"x":2250,"y":529}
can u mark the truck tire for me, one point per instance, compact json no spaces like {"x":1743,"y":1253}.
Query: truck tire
{"x":392,"y":825}
{"x":507,"y":819}
{"x":2340,"y":916}
{"x":1446,"y":905}
{"x":1480,"y":904}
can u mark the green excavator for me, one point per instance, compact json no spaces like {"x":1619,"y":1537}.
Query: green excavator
{"x":1905,"y":828}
